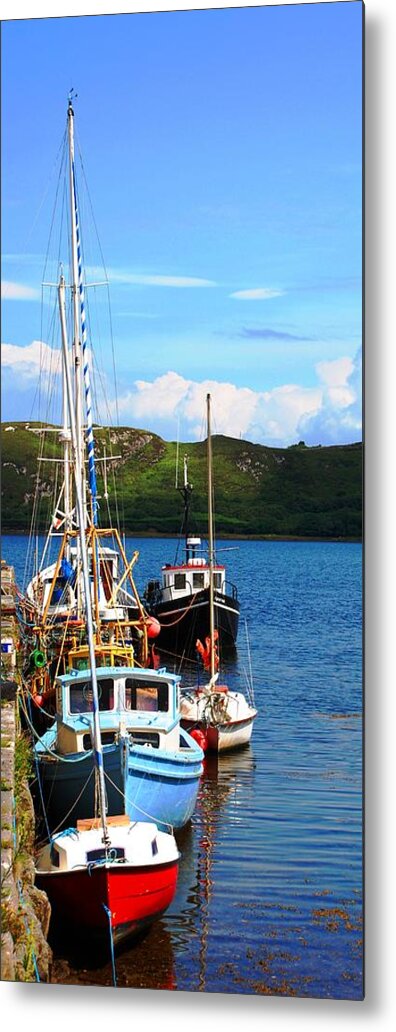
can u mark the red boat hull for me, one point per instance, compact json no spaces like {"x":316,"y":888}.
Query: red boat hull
{"x":134,"y":896}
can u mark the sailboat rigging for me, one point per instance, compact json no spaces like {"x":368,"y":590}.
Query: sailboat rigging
{"x":220,"y":719}
{"x":51,"y":609}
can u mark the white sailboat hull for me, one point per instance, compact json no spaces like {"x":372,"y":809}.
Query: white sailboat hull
{"x":224,"y":717}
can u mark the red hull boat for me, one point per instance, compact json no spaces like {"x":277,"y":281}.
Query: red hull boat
{"x":88,"y":886}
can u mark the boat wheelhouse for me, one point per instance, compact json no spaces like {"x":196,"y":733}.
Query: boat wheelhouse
{"x":152,"y":765}
{"x":180,"y":601}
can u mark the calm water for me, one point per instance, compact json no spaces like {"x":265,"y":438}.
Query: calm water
{"x":269,"y":897}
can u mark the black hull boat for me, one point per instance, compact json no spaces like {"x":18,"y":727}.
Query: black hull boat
{"x":185,"y":620}
{"x":180,"y":601}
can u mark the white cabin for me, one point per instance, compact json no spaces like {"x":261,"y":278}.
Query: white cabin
{"x":191,"y":576}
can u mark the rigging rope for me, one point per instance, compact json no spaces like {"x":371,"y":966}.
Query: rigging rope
{"x":87,"y":379}
{"x":184,"y":613}
{"x":113,"y":967}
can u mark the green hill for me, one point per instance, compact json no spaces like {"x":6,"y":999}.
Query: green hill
{"x":286,"y":492}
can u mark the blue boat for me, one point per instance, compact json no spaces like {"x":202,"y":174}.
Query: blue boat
{"x":152,"y":766}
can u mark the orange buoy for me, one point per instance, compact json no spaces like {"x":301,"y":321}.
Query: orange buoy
{"x":200,"y":737}
{"x":153,"y":627}
{"x":205,"y":651}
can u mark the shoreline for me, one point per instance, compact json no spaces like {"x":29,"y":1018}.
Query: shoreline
{"x":219,"y":537}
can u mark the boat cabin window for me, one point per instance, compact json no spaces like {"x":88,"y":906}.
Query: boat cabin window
{"x":180,"y":581}
{"x":96,"y":855}
{"x":142,"y":695}
{"x":81,"y":696}
{"x":217,"y":580}
{"x":198,"y":580}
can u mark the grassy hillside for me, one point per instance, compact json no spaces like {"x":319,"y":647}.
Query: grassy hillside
{"x":296,"y":491}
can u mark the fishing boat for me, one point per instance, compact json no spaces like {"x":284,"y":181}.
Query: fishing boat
{"x":128,"y":878}
{"x":152,"y":766}
{"x":220,"y":718}
{"x":102,"y":873}
{"x":180,"y":600}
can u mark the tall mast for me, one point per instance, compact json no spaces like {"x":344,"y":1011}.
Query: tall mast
{"x":80,"y":320}
{"x":74,"y":285}
{"x":210,"y":542}
{"x":85,"y":570}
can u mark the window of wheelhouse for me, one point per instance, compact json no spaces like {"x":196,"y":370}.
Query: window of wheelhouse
{"x":180,"y":581}
{"x":144,"y":696}
{"x":217,"y":580}
{"x":81,"y":698}
{"x":198,"y":580}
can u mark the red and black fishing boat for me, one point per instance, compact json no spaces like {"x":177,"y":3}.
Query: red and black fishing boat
{"x":180,"y":600}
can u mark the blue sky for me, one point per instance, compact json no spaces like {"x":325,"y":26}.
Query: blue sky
{"x":222,"y":151}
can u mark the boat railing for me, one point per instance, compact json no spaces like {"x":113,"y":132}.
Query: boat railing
{"x":230,"y":589}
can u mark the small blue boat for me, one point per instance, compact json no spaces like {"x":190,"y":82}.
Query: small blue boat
{"x":152,"y":766}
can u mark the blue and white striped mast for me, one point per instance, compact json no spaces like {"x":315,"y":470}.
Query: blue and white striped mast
{"x":80,"y":350}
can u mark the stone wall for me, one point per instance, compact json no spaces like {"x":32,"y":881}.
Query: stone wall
{"x":25,"y":954}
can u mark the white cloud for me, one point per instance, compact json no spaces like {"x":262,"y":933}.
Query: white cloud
{"x":28,"y":362}
{"x":336,"y":372}
{"x":320,"y":414}
{"x":328,"y":412}
{"x":18,"y":292}
{"x":149,"y":279}
{"x":257,"y":294}
{"x":338,"y":419}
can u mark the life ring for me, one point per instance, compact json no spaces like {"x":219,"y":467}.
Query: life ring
{"x":37,"y":659}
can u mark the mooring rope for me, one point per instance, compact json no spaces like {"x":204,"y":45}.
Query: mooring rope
{"x":108,"y":912}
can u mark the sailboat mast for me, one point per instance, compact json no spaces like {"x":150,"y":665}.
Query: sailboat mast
{"x":210,"y":541}
{"x":85,"y":569}
{"x":74,"y":286}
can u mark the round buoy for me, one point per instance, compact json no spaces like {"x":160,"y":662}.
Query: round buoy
{"x":38,"y":700}
{"x":153,"y":627}
{"x":200,"y":737}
